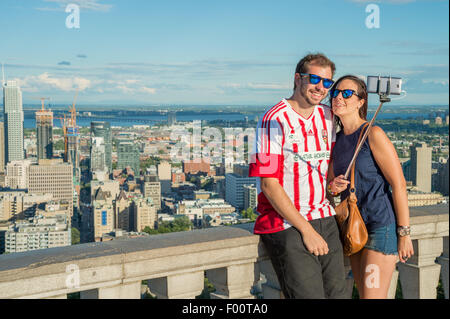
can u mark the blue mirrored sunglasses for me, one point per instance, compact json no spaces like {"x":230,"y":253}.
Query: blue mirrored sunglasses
{"x":346,"y":94}
{"x":314,"y":79}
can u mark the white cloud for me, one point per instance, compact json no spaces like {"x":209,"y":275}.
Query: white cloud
{"x":269,"y":86}
{"x":257,"y":86}
{"x":135,"y":90}
{"x":46,"y":81}
{"x":148,"y":90}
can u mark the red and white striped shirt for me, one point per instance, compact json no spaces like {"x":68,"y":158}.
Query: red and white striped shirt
{"x":297,"y":151}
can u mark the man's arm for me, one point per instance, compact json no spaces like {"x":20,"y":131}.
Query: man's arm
{"x":280,"y":201}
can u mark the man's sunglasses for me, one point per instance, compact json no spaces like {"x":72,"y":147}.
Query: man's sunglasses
{"x":346,"y":94}
{"x":315,"y":79}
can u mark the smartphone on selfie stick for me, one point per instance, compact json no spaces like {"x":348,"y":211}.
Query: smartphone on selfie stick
{"x":383,"y":86}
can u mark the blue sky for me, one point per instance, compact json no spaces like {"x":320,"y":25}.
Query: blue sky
{"x":148,"y":52}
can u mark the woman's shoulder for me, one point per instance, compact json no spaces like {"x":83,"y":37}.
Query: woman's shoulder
{"x":377,"y":134}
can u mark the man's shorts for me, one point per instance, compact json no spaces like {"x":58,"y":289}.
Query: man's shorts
{"x":301,"y":274}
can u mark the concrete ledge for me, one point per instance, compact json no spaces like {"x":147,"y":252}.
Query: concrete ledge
{"x":40,"y":274}
{"x":115,"y":269}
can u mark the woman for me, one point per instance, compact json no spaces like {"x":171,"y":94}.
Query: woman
{"x":377,"y":168}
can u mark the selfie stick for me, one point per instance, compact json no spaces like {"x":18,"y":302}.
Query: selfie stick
{"x":383,"y":98}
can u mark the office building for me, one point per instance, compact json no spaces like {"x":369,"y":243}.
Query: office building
{"x":128,"y":156}
{"x":110,"y":187}
{"x":17,"y":174}
{"x":21,"y":205}
{"x":145,"y":214}
{"x":103,"y":129}
{"x":13,"y":122}
{"x":44,"y":133}
{"x":72,"y":155}
{"x":41,"y":233}
{"x":241,"y":170}
{"x":444,"y":178}
{"x":2,"y":148}
{"x":53,"y":177}
{"x":164,"y":171}
{"x":195,"y":167}
{"x":165,"y":176}
{"x":234,"y":189}
{"x":122,"y":212}
{"x":103,"y":214}
{"x":98,"y":160}
{"x":250,"y":196}
{"x":420,"y":167}
{"x":151,"y":187}
{"x":171,"y":118}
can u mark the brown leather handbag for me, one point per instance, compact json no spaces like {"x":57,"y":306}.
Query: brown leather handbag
{"x":353,"y":229}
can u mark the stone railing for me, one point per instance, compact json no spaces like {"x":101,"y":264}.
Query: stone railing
{"x":174,"y":265}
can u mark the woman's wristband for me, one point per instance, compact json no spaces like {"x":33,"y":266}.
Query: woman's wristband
{"x":331,"y":192}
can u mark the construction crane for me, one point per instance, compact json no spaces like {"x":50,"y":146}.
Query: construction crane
{"x":71,"y":134}
{"x":42,"y":101}
{"x":43,"y":115}
{"x":73,"y":112}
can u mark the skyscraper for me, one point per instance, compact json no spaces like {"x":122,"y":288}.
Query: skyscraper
{"x":420,"y":169}
{"x":234,"y":189}
{"x":98,"y":162}
{"x":53,"y":177}
{"x":171,"y":118}
{"x":2,"y":148}
{"x":13,"y":121}
{"x":128,"y":155}
{"x":103,"y":129}
{"x":44,"y":131}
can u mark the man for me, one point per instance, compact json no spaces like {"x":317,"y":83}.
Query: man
{"x":296,"y":221}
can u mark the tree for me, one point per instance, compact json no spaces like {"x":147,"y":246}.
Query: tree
{"x":75,"y":236}
{"x":58,"y":145}
{"x":249,"y":213}
{"x":179,"y":224}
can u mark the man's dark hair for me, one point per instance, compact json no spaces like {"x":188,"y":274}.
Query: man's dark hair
{"x":314,"y":59}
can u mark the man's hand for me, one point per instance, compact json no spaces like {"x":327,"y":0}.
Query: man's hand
{"x":315,"y":243}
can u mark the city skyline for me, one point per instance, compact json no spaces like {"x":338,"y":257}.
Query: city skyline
{"x":221,"y":53}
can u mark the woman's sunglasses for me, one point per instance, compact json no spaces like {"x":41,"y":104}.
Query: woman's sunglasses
{"x":346,"y":94}
{"x":315,"y":79}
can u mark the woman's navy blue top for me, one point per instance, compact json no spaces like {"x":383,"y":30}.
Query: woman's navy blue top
{"x":372,"y":189}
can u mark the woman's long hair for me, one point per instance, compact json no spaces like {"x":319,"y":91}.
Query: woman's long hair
{"x":362,"y":92}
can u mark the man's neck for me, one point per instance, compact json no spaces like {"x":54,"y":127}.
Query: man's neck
{"x":301,"y":106}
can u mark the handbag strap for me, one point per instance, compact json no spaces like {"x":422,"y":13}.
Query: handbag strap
{"x":352,"y":178}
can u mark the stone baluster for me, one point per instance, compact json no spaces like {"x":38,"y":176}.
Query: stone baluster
{"x":443,"y":261}
{"x":419,"y":276}
{"x":233,"y":282}
{"x":393,"y":286}
{"x":179,"y":286}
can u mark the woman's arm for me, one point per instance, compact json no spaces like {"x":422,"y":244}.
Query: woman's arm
{"x":386,"y":157}
{"x":337,"y":184}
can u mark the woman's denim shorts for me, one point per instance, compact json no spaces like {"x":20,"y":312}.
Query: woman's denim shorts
{"x":383,"y":239}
